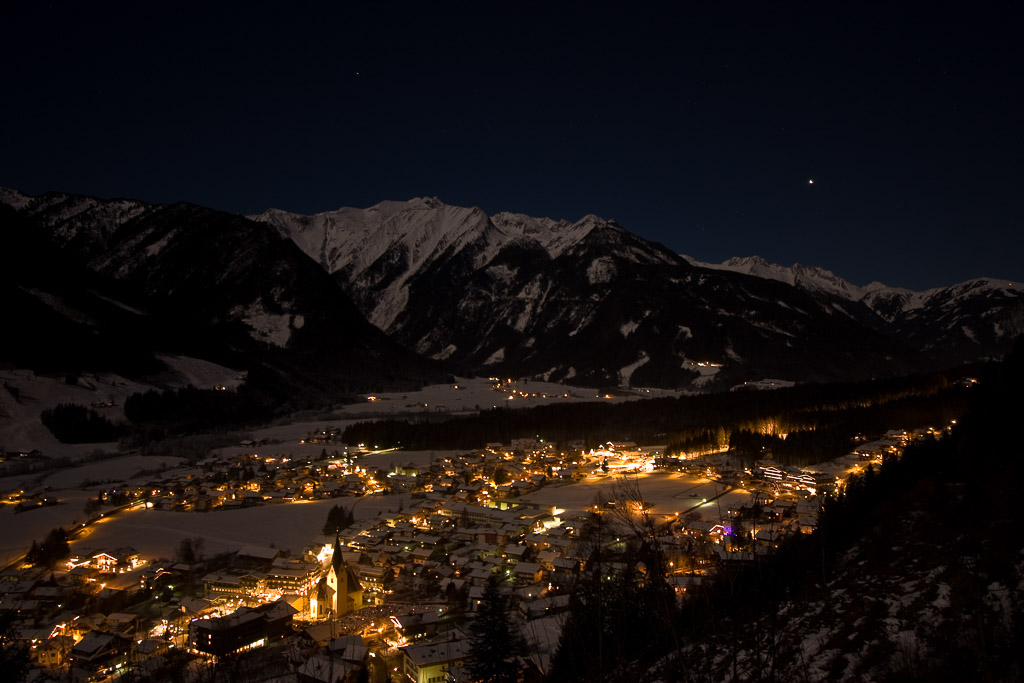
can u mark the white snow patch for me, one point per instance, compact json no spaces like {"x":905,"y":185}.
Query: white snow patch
{"x":969,"y":333}
{"x":446,"y":352}
{"x":20,"y":428}
{"x":201,"y":374}
{"x":272,"y":328}
{"x":580,"y":325}
{"x":942,"y":600}
{"x":58,"y":305}
{"x":772,"y":328}
{"x":629,"y":328}
{"x":601,"y":271}
{"x":502,"y":274}
{"x":523,"y":319}
{"x":158,"y":246}
{"x":496,"y":357}
{"x":706,"y":369}
{"x":390,"y":303}
{"x":122,"y":306}
{"x":13,"y":198}
{"x":627,"y":372}
{"x":767,"y":383}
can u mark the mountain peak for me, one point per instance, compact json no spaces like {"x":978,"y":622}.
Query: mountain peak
{"x":14,"y":198}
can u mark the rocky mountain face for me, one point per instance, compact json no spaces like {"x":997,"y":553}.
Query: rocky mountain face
{"x":317,"y":305}
{"x":585,"y":301}
{"x":186,"y":279}
{"x":966,"y":321}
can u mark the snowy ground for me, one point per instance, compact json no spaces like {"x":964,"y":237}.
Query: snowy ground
{"x":288,"y":526}
{"x":20,"y":428}
{"x":157,"y":533}
{"x":479,"y":393}
{"x":19,"y":530}
{"x":542,"y":635}
{"x":72,"y":486}
{"x":668,"y":493}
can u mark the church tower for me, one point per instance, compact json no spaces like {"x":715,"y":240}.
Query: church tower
{"x":339,"y":592}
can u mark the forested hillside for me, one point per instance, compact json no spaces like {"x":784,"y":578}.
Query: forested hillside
{"x":915,"y":573}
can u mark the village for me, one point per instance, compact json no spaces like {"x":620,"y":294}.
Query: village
{"x":387,"y":596}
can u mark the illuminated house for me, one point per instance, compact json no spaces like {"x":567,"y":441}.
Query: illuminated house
{"x":339,"y":592}
{"x":435,"y":661}
{"x":99,"y":651}
{"x":244,"y":629}
{"x":121,"y":560}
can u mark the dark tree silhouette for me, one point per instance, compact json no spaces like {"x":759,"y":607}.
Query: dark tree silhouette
{"x":496,"y":644}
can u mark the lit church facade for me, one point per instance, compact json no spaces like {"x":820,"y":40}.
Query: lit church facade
{"x":338,"y":592}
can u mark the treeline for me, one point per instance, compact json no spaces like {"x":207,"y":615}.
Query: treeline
{"x":802,"y":447}
{"x":155,"y":415}
{"x":52,"y":550}
{"x":622,"y":612}
{"x":73,"y":423}
{"x":694,"y":422}
{"x":190,"y":409}
{"x":338,"y":519}
{"x":946,"y":509}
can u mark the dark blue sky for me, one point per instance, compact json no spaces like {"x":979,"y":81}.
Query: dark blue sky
{"x":698,"y":127}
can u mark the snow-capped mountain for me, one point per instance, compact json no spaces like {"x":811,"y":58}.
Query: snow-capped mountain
{"x":213,"y":285}
{"x":288,"y":297}
{"x":582,"y":301}
{"x":809,"y":278}
{"x":965,"y":321}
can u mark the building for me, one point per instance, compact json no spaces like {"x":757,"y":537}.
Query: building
{"x":339,"y":592}
{"x":100,"y":652}
{"x":244,"y":629}
{"x":434,"y":662}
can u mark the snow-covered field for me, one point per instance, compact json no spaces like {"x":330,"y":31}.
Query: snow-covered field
{"x":20,"y":428}
{"x":157,"y":533}
{"x":19,"y":530}
{"x":667,"y":493}
{"x":72,"y":486}
{"x":468,"y":395}
{"x":288,"y":526}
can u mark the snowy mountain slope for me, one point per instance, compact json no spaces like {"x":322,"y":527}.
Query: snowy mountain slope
{"x":288,"y":297}
{"x":979,"y":317}
{"x":584,"y":300}
{"x":968,"y":320}
{"x":808,"y":278}
{"x":189,"y":280}
{"x":79,"y":224}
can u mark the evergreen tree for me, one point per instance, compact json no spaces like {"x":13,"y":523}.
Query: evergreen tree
{"x":52,"y":550}
{"x":338,"y":519}
{"x":14,"y":654}
{"x":496,"y":644}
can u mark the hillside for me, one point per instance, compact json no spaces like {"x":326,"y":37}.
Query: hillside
{"x":586,"y":302}
{"x":108,"y":284}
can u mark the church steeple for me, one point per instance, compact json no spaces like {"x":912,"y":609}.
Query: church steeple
{"x":338,"y":592}
{"x":337,"y":560}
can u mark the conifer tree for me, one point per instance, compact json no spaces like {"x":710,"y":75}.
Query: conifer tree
{"x":496,"y":644}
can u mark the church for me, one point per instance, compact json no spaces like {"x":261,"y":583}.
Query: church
{"x":338,"y":592}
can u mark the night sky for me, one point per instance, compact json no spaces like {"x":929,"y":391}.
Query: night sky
{"x":697,"y":127}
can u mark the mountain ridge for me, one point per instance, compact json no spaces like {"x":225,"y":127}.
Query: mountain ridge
{"x":582,"y":301}
{"x":220,"y":287}
{"x":520,"y":279}
{"x":988,"y":312}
